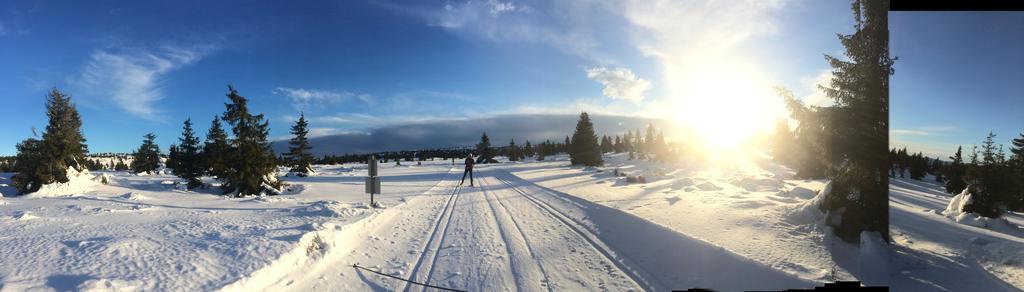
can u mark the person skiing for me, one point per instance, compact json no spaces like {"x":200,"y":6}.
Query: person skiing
{"x":469,"y":170}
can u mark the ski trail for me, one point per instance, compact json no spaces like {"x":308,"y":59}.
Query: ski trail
{"x":434,"y":244}
{"x":525,"y":264}
{"x":591,"y":240}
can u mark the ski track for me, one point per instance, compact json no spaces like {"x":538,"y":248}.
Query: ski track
{"x":582,"y":233}
{"x":492,"y":237}
{"x":442,"y":225}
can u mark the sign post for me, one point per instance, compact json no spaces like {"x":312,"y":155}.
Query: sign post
{"x":372,"y":180}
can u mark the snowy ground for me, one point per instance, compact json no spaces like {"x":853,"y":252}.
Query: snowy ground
{"x":139,"y":232}
{"x":524,"y":226}
{"x":935,"y":253}
{"x":745,"y":206}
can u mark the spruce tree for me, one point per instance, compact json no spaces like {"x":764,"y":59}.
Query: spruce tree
{"x":147,"y":157}
{"x":860,"y":90}
{"x":583,"y":149}
{"x":62,"y":146}
{"x":29,"y":167}
{"x":250,"y":161}
{"x":216,"y":150}
{"x":1016,"y":165}
{"x":485,"y":154}
{"x":172,"y":157}
{"x":189,"y":165}
{"x":513,"y":151}
{"x":988,"y":182}
{"x":299,"y":156}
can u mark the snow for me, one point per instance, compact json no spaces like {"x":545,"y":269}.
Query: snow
{"x":957,"y":204}
{"x":744,"y":205}
{"x":137,"y":233}
{"x":530,"y":225}
{"x":937,"y":248}
{"x":78,"y":183}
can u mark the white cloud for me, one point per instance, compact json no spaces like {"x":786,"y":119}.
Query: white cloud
{"x":619,"y":83}
{"x":302,"y":98}
{"x":133,"y":79}
{"x":558,"y":25}
{"x":817,"y":96}
{"x":922,"y":131}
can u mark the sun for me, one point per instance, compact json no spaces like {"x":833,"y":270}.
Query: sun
{"x":724,"y":104}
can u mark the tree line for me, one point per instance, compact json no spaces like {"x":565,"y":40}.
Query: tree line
{"x":994,"y":178}
{"x":243,"y":161}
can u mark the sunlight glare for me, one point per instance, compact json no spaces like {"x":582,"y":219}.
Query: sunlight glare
{"x":725,"y":104}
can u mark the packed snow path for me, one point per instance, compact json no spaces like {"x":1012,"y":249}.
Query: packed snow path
{"x":507,"y":234}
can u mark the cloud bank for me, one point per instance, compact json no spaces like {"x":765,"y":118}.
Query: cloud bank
{"x":466,"y":132}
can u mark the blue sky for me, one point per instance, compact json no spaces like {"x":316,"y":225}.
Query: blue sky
{"x":144,"y":66}
{"x":959,"y":76}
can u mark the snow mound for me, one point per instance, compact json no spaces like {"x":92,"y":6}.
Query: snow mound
{"x":302,"y":173}
{"x":133,"y":196}
{"x":709,"y":186}
{"x":799,"y":192}
{"x":956,"y":205}
{"x":810,"y":211}
{"x":25,"y":216}
{"x":78,"y":183}
{"x":758,"y":184}
{"x":293,"y":189}
{"x":104,"y":178}
{"x":328,"y":209}
{"x":955,"y":210}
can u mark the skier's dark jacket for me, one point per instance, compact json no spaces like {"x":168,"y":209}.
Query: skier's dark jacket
{"x":469,"y":163}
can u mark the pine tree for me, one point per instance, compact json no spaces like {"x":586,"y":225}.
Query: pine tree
{"x":860,"y":90}
{"x":147,"y":157}
{"x":28,"y":164}
{"x":62,"y":146}
{"x":1016,"y":166}
{"x":299,"y":156}
{"x":782,"y":142}
{"x":172,"y":157}
{"x":121,"y":166}
{"x":648,"y":145}
{"x":989,"y":184}
{"x":189,"y":166}
{"x":513,"y":151}
{"x":216,"y":150}
{"x":542,"y":150}
{"x":528,"y":150}
{"x":250,"y":160}
{"x":484,"y":150}
{"x":583,"y":149}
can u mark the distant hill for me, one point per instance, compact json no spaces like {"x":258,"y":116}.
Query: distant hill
{"x":465,"y":132}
